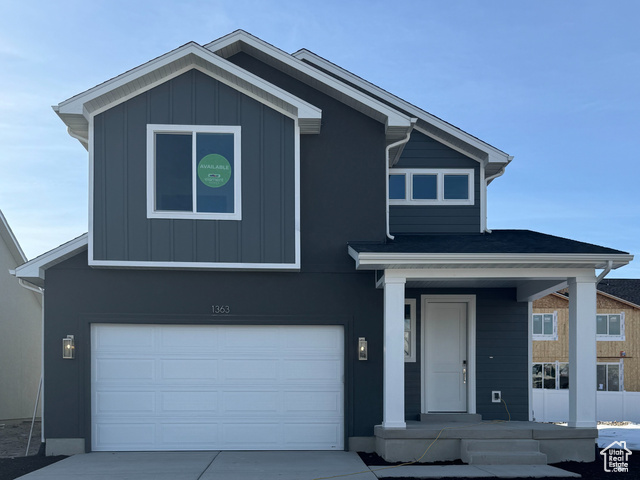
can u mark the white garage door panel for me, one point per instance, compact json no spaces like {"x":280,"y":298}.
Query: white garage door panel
{"x":158,"y":387}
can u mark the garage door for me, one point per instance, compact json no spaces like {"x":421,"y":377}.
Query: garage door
{"x":161,"y":387}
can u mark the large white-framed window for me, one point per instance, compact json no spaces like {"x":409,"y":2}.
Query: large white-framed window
{"x":194,"y":171}
{"x":545,"y":326}
{"x":610,"y":377}
{"x":426,"y":186}
{"x":550,"y":375}
{"x":410,"y":330}
{"x":610,"y":327}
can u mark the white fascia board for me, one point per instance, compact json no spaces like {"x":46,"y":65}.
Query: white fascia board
{"x":377,"y":261}
{"x":11,"y":241}
{"x":494,"y":155}
{"x":146,"y":265}
{"x":397,"y":122}
{"x":34,"y":270}
{"x":207,"y":62}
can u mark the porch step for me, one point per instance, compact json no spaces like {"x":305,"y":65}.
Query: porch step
{"x":450,"y":417}
{"x":502,"y":452}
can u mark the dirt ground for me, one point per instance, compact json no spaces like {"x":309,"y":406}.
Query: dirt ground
{"x":14,"y":436}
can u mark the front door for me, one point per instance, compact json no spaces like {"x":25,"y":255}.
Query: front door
{"x":446,"y":366}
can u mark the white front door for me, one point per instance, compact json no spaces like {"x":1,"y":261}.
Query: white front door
{"x":445,"y":353}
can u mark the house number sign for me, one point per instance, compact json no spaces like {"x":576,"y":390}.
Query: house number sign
{"x":220,"y":309}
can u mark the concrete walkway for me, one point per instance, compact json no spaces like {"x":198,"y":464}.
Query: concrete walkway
{"x":260,"y":466}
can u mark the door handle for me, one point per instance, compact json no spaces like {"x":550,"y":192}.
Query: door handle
{"x":464,"y":371}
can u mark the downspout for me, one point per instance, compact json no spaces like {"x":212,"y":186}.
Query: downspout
{"x":605,"y":272}
{"x":486,"y":200}
{"x":386,"y":164}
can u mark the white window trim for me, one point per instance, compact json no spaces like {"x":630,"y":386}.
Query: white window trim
{"x":152,"y":129}
{"x":412,"y":303}
{"x":542,"y":336}
{"x":620,"y":365}
{"x":409,"y":172}
{"x":613,"y":338}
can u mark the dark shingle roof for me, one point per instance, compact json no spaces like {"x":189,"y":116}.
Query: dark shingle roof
{"x":498,"y":241}
{"x":625,"y":288}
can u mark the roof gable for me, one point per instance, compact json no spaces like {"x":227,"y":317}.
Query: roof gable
{"x":397,"y":123}
{"x":11,"y":241}
{"x":77,"y":110}
{"x":427,"y":123}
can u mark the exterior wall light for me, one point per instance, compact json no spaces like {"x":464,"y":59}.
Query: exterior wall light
{"x":362,"y":348}
{"x":68,"y":348}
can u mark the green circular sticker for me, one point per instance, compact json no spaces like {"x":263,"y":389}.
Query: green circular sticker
{"x":214,"y":170}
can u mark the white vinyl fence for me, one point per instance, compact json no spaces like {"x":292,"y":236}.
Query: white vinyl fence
{"x":553,"y":406}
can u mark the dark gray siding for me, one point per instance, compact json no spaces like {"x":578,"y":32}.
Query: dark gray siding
{"x":266,"y":233}
{"x":423,"y":152}
{"x":501,"y":354}
{"x":77,"y":296}
{"x":342,"y":199}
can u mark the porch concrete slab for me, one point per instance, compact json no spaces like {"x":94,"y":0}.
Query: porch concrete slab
{"x":472,"y":471}
{"x":126,"y":465}
{"x":298,"y":465}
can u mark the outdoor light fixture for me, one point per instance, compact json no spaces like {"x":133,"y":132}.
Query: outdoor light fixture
{"x":362,"y":348}
{"x":68,"y":348}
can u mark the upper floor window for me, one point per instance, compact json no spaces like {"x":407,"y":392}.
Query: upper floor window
{"x":545,"y":326}
{"x":193,"y":172}
{"x":610,"y":327}
{"x":421,"y":186}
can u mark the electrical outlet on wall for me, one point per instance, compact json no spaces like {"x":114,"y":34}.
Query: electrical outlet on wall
{"x":496,"y":396}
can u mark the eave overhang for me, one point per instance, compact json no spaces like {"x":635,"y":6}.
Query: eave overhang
{"x":76,"y":111}
{"x":34,"y":270}
{"x":495,"y":160}
{"x":386,"y":261}
{"x":397,"y":123}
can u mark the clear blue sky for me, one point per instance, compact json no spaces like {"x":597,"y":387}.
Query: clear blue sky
{"x":554,"y":83}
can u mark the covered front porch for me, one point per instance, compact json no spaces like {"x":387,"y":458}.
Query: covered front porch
{"x":473,"y":343}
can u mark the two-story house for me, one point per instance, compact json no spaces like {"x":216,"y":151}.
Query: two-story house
{"x":282,"y":255}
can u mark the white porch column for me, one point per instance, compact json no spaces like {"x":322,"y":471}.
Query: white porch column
{"x":393,"y":370}
{"x":582,"y":352}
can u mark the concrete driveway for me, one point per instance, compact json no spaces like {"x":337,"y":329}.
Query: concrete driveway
{"x":205,"y":466}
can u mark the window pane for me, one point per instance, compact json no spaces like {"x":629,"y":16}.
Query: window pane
{"x":549,"y":376}
{"x":174,"y":174}
{"x":425,"y":187}
{"x":536,"y":374}
{"x":407,"y":344}
{"x":601,"y":324}
{"x":537,"y":324}
{"x":456,"y":187}
{"x":614,"y":324}
{"x":215,"y":189}
{"x":601,"y":377}
{"x":548,"y":324}
{"x":397,"y":187}
{"x":564,"y":375}
{"x":613,"y":378}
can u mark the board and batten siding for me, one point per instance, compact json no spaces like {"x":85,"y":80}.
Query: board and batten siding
{"x":121,"y":229}
{"x":422,"y":151}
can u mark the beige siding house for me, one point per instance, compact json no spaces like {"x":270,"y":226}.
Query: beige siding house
{"x":618,"y":340}
{"x":20,"y":333}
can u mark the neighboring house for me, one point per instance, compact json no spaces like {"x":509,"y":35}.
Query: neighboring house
{"x":20,"y":334}
{"x":282,"y":255}
{"x":618,"y":338}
